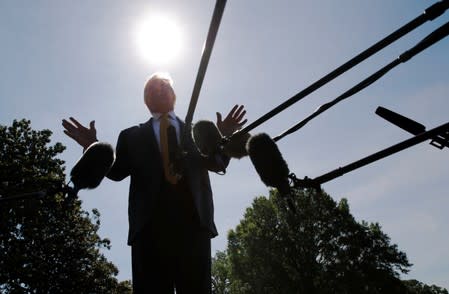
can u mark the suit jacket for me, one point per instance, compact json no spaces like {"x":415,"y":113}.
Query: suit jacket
{"x":138,"y":156}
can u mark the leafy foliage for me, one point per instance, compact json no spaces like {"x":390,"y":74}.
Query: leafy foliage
{"x":318,"y":248}
{"x":48,"y":244}
{"x":416,"y":287}
{"x":221,"y":275}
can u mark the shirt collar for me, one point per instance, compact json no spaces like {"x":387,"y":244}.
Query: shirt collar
{"x":157,"y":115}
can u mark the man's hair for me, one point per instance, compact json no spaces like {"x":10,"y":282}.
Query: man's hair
{"x":160,"y":75}
{"x":165,"y":76}
{"x":157,"y":76}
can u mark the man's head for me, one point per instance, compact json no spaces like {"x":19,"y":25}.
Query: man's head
{"x":158,"y":94}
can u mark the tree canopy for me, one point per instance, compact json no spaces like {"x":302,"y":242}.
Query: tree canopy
{"x":316,"y":248}
{"x":416,"y":287}
{"x":48,"y":244}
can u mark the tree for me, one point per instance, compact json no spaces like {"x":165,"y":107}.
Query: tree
{"x":318,"y":248}
{"x":416,"y":287}
{"x":47,"y":244}
{"x":221,"y":273}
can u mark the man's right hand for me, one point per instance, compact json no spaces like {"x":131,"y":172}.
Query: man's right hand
{"x":82,"y":135}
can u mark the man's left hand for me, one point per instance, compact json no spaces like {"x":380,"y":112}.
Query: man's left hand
{"x":233,"y":121}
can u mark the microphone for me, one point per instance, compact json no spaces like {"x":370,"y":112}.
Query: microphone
{"x":403,"y":122}
{"x":207,"y":137}
{"x":209,"y":140}
{"x":439,"y":141}
{"x":235,"y":146}
{"x":93,"y":166}
{"x":269,"y":163}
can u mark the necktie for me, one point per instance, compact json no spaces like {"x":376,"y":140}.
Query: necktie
{"x":166,"y":136}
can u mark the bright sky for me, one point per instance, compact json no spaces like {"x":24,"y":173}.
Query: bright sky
{"x":79,"y":58}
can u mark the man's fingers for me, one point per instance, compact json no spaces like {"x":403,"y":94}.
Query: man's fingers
{"x":66,"y":123}
{"x":231,"y":113}
{"x":70,"y":135}
{"x":219,"y":118}
{"x":241,"y":115}
{"x":68,"y":126}
{"x":242,"y":123}
{"x":92,"y":125}
{"x":76,"y":123}
{"x":234,"y":108}
{"x":238,"y":112}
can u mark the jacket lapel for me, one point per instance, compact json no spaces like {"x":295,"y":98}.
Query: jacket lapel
{"x":149,"y":142}
{"x":181,"y":125}
{"x":148,"y":134}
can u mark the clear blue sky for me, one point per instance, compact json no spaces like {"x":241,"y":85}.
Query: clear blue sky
{"x":78,"y":58}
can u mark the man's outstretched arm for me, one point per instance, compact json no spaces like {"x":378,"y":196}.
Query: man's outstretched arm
{"x":87,"y":136}
{"x":82,"y":135}
{"x":233,"y":121}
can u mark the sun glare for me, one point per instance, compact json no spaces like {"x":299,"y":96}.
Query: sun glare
{"x":159,"y":39}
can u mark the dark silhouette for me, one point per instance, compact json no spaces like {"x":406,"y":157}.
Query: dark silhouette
{"x":48,"y":244}
{"x":170,"y":199}
{"x":318,"y":249}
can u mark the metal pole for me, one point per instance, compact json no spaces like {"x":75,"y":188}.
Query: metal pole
{"x":208,"y":46}
{"x":425,"y":43}
{"x":430,"y":13}
{"x":381,"y":154}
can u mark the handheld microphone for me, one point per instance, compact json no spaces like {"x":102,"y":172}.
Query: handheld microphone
{"x":93,"y":166}
{"x":268,"y":161}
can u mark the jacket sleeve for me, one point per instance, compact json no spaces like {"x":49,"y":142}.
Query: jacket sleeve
{"x":216,"y":163}
{"x":120,"y":169}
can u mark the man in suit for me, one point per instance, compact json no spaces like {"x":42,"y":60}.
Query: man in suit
{"x":170,"y":199}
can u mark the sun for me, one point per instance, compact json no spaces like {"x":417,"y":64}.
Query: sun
{"x":159,"y":39}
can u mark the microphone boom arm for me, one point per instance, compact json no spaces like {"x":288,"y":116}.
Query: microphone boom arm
{"x":208,"y":46}
{"x":430,"y":13}
{"x":428,"y":41}
{"x":316,"y":182}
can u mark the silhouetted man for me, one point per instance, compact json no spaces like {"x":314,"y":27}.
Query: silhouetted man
{"x":170,"y":199}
